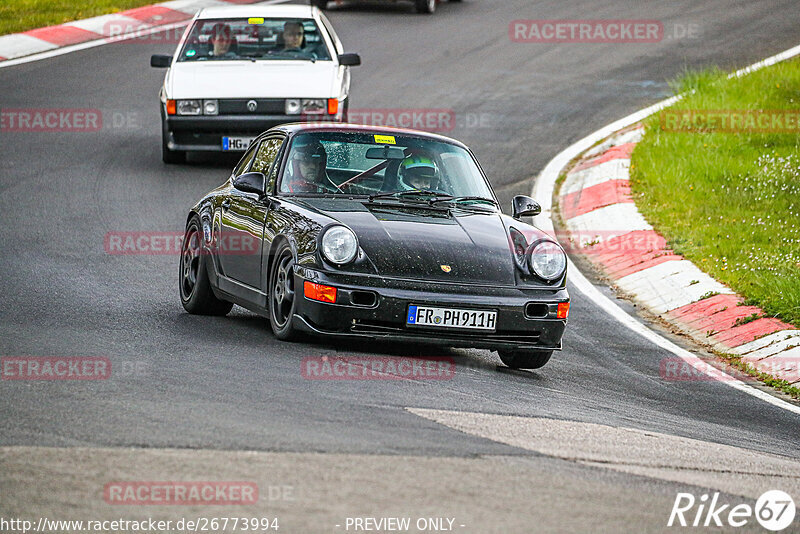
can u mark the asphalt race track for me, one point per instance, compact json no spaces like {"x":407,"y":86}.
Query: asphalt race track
{"x":226,"y":384}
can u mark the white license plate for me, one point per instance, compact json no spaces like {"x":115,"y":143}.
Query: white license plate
{"x":239,"y":144}
{"x":451,"y":318}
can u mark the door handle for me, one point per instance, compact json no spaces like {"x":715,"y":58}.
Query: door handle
{"x":226,"y":204}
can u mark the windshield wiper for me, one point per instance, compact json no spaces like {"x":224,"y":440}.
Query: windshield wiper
{"x":464,"y":199}
{"x":408,"y":195}
{"x":402,"y":195}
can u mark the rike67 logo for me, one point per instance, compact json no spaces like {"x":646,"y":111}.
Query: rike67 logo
{"x":774,"y":510}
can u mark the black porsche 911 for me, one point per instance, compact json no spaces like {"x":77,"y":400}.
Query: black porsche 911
{"x":345,"y":230}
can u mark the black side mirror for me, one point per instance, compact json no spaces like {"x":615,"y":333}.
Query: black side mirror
{"x":524,"y":206}
{"x":160,"y":61}
{"x":251,"y":182}
{"x":349,"y":60}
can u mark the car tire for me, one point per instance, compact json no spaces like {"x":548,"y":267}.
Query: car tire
{"x":281,"y":294}
{"x":525,"y":359}
{"x":170,"y":156}
{"x":321,"y":4}
{"x":197,"y":296}
{"x":426,"y":6}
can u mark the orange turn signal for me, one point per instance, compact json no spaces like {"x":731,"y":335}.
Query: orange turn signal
{"x":333,"y":106}
{"x":172,"y":108}
{"x":319,"y":292}
{"x":563,"y":310}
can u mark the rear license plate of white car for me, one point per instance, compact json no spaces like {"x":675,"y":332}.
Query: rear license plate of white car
{"x":429,"y":316}
{"x":236,"y":143}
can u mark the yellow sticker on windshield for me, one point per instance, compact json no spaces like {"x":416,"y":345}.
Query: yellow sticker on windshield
{"x":385,"y":140}
{"x":255,"y":20}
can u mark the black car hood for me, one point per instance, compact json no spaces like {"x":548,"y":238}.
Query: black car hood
{"x":437,"y":245}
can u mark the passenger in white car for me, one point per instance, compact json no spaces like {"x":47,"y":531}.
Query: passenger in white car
{"x":293,"y":35}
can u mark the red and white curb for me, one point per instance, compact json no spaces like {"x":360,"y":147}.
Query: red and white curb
{"x":543,"y":190}
{"x":107,"y":28}
{"x":604,"y":224}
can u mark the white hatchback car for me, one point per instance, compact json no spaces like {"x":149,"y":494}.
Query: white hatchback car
{"x":239,"y":71}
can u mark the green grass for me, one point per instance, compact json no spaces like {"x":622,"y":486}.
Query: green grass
{"x":730,"y":202}
{"x":20,"y":15}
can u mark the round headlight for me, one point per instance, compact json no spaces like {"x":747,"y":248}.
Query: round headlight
{"x":339,"y":245}
{"x":210,"y":107}
{"x":548,"y":261}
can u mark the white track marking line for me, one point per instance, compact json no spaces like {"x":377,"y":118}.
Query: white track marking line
{"x":99,"y":42}
{"x":17,"y":44}
{"x":543,"y":193}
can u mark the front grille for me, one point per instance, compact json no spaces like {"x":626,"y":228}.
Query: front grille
{"x":264,"y":106}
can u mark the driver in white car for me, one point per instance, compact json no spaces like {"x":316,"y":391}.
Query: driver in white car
{"x":222,"y":40}
{"x":293,"y":34}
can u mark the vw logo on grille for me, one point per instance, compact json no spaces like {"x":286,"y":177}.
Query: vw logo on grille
{"x":252,"y":105}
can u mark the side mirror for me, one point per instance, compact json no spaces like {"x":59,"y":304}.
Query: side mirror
{"x":160,"y":61}
{"x":349,"y":60}
{"x":251,"y":182}
{"x":524,"y":206}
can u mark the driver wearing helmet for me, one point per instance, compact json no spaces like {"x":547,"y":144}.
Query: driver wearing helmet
{"x":418,"y":172}
{"x":305,"y":172}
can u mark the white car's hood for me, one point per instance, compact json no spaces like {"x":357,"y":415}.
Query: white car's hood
{"x":254,"y":79}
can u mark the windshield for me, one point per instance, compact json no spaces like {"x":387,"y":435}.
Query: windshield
{"x":368,"y":164}
{"x":254,"y":38}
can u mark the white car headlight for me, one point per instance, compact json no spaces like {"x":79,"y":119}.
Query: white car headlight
{"x":548,"y":261}
{"x":314,"y":106}
{"x":339,"y":245}
{"x":189,"y":107}
{"x":293,"y":106}
{"x":210,"y":107}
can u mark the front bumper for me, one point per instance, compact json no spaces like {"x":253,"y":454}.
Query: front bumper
{"x":205,"y":132}
{"x":384,"y":317}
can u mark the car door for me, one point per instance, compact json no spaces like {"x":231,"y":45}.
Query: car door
{"x":243,"y":217}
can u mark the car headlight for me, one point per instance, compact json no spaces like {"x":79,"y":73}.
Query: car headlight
{"x":210,"y":107}
{"x":314,"y":106}
{"x":548,"y":261}
{"x":189,"y":107}
{"x":339,"y":245}
{"x":293,"y":106}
